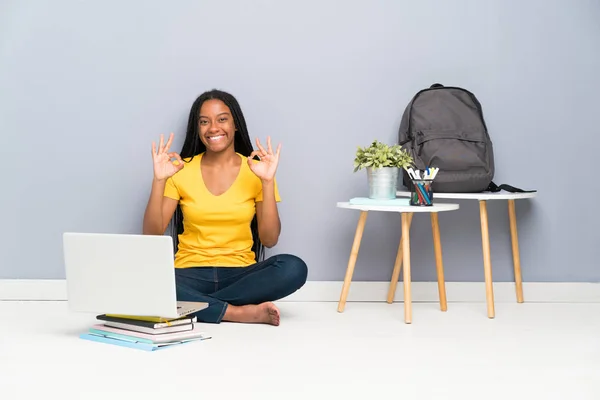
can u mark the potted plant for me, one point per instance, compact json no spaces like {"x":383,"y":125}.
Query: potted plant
{"x":382,"y":163}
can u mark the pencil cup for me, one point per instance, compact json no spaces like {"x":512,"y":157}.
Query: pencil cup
{"x":421,"y":193}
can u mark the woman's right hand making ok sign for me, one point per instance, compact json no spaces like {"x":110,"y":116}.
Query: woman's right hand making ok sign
{"x":163,"y":166}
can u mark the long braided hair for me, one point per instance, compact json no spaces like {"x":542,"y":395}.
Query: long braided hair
{"x":193,"y":146}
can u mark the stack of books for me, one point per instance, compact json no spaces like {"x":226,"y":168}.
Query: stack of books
{"x":144,"y":333}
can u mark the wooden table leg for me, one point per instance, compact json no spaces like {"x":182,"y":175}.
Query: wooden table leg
{"x":512,"y":216}
{"x":397,"y":267}
{"x":439,"y":265}
{"x":487,"y":260}
{"x":352,"y":261}
{"x":406,"y":259}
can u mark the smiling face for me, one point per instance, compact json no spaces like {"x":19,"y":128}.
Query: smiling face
{"x":217,"y":129}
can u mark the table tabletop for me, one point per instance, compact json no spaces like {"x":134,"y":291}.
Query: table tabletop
{"x":476,"y":196}
{"x":408,"y":208}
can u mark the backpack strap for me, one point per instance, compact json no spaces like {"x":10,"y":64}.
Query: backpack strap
{"x":495,"y":188}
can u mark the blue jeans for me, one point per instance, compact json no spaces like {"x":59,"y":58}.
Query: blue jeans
{"x":268,"y":280}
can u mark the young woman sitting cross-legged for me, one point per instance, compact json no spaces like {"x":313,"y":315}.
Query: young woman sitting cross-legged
{"x":223,"y":206}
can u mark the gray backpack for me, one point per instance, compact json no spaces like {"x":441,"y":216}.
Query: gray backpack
{"x":444,"y":127}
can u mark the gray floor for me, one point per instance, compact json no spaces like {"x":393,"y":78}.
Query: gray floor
{"x":529,"y":351}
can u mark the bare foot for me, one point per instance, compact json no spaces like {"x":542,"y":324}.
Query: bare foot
{"x":264,"y":313}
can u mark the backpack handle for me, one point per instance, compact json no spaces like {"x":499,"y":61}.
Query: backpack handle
{"x":436,"y":85}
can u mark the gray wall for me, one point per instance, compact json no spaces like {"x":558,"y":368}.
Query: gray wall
{"x":86,"y":86}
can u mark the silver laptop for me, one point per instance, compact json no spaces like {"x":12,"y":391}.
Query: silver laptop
{"x":123,"y":274}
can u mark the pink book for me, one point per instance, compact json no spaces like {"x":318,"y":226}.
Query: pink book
{"x":194,"y":334}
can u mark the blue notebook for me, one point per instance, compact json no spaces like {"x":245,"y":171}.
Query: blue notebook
{"x":362,"y":201}
{"x":128,"y":343}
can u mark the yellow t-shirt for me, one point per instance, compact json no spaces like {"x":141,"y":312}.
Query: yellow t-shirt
{"x":216,"y":229}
